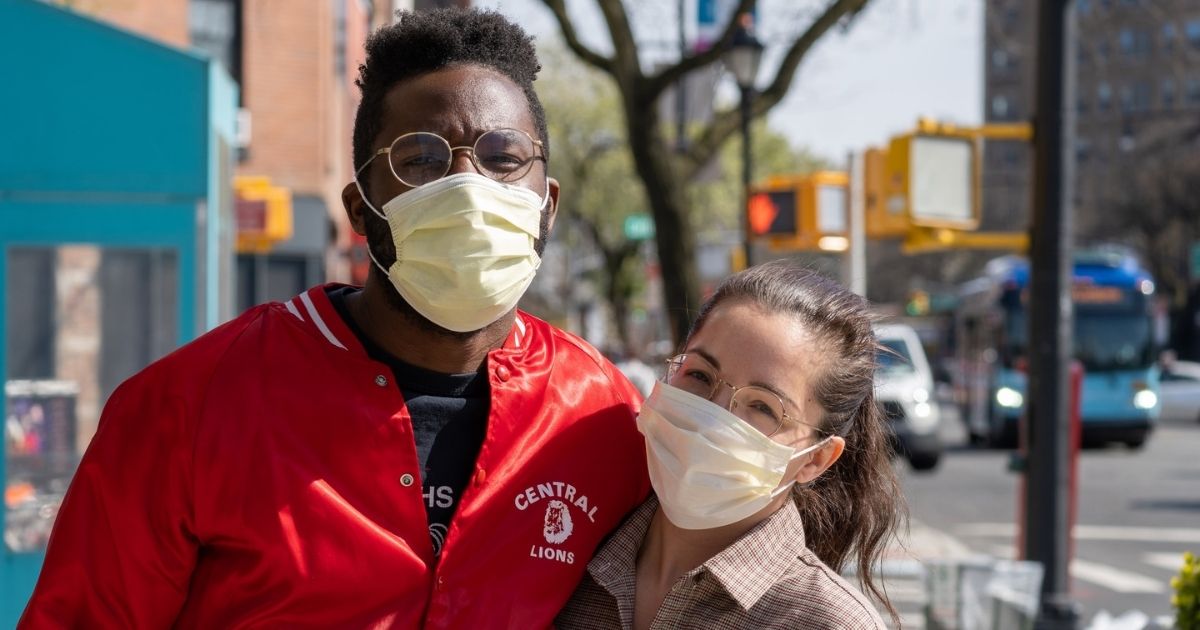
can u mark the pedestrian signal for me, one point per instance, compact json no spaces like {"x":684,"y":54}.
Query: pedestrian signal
{"x":772,"y":213}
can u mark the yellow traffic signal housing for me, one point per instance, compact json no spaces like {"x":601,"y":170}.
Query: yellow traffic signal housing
{"x":801,"y":212}
{"x":883,"y":220}
{"x":933,"y":177}
{"x":264,"y":214}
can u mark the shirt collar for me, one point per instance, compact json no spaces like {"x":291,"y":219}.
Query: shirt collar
{"x":747,"y":569}
{"x":616,"y":560}
{"x":758,"y":560}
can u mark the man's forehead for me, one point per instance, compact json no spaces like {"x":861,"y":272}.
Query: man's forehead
{"x":461,"y":100}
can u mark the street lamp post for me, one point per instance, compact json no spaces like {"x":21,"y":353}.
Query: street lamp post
{"x":743,"y":57}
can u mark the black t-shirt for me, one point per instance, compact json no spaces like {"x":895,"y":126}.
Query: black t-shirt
{"x":449,"y":419}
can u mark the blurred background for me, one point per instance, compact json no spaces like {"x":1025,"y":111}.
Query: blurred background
{"x":167,"y":164}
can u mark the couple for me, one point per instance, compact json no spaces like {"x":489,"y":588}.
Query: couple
{"x":418,"y":453}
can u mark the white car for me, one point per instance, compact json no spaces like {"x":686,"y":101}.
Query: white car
{"x":1179,"y":392}
{"x":904,"y":388}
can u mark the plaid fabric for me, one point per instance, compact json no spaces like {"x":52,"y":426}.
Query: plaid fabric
{"x":767,"y":579}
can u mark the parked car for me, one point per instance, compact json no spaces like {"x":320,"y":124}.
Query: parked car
{"x":904,"y":388}
{"x":1179,"y":392}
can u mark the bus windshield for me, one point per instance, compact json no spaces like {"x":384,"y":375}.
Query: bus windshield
{"x":1104,"y":340}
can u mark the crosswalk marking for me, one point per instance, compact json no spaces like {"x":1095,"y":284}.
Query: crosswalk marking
{"x":1169,"y":561}
{"x":1115,"y":579}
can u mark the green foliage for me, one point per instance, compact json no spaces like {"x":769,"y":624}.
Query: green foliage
{"x":1186,"y":599}
{"x":717,"y":204}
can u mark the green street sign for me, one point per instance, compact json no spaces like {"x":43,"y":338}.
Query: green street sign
{"x":639,"y":227}
{"x":1194,"y":259}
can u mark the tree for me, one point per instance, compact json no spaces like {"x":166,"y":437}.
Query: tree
{"x":592,"y":161}
{"x":664,"y":173}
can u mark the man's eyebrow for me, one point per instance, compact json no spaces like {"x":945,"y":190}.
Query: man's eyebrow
{"x":767,"y":386}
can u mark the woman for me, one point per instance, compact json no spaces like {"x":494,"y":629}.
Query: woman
{"x":770,"y":465}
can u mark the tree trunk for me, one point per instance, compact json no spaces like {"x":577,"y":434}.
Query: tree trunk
{"x":673,"y":235}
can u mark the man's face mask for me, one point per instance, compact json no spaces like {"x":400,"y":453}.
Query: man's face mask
{"x":465,"y":248}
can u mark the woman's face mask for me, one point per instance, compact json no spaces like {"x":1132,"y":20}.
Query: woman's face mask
{"x":709,"y":467}
{"x":465,"y":248}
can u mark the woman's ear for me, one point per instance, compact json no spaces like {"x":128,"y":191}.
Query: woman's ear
{"x":820,"y":460}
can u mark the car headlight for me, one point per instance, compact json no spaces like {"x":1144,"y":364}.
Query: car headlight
{"x":1009,"y":398}
{"x":922,"y":409}
{"x":920,"y":395}
{"x":1145,"y":399}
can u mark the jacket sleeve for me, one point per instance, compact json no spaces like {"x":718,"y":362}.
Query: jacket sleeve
{"x":122,"y":550}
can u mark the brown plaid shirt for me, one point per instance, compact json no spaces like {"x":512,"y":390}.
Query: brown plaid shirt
{"x":767,"y":579}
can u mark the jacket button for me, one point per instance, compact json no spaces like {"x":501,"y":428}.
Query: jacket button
{"x":381,"y":380}
{"x":503,"y":373}
{"x":406,"y":480}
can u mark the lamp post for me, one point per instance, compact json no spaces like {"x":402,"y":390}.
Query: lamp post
{"x":742,"y":58}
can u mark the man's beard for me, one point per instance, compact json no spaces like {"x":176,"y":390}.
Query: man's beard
{"x":379,"y":241}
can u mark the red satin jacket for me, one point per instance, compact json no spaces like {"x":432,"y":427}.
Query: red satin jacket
{"x":265,"y":475}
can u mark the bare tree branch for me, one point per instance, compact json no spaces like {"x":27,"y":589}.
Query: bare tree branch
{"x":726,"y":123}
{"x":593,"y":58}
{"x":659,"y":82}
{"x":626,"y":63}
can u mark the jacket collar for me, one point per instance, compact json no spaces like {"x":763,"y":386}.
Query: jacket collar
{"x":313,"y":309}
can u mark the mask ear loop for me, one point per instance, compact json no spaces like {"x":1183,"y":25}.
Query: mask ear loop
{"x":363,"y":195}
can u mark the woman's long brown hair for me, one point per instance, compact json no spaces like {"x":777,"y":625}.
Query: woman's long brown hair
{"x":854,"y":509}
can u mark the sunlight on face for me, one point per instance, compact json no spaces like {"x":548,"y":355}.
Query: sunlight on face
{"x":753,"y":347}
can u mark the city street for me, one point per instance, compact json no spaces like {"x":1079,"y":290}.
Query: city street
{"x":1138,"y":512}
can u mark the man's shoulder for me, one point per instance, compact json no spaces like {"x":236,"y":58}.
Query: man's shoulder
{"x":565,"y":348}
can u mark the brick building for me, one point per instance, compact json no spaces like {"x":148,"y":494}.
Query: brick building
{"x":1137,"y":72}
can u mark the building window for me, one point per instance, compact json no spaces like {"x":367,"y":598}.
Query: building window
{"x":1169,"y":35}
{"x":1083,"y":149}
{"x":1126,"y":41}
{"x":1193,"y":91}
{"x":215,"y":28}
{"x":1142,"y":95}
{"x":1191,"y":30}
{"x":1081,"y":104}
{"x":1000,"y":59}
{"x":1103,"y":97}
{"x":1000,"y":108}
{"x":1126,"y":99}
{"x":1084,"y":7}
{"x":1102,"y":51}
{"x":1167,"y":93}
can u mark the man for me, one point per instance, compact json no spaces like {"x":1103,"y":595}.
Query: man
{"x":415,"y":453}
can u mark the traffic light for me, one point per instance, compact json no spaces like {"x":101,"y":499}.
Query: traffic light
{"x":772,"y":212}
{"x":800,"y":212}
{"x":263,"y":214}
{"x":933,"y":176}
{"x":918,"y":303}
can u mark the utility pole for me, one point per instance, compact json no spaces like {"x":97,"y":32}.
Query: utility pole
{"x":1050,"y":314}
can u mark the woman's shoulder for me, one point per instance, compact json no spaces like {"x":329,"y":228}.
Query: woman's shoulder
{"x":820,"y":598}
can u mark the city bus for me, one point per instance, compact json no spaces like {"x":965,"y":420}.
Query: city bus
{"x":1113,"y":339}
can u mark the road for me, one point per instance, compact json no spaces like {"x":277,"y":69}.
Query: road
{"x":1138,"y":512}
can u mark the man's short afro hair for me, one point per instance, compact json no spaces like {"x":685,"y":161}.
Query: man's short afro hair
{"x":420,"y":42}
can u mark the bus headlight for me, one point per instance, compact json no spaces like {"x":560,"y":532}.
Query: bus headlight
{"x":1145,"y":399}
{"x":920,"y":395}
{"x":1009,"y":398}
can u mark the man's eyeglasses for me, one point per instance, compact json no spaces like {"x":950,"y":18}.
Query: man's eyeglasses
{"x":761,"y":408}
{"x":504,"y":155}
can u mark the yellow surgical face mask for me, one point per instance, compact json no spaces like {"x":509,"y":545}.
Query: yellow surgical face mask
{"x":465,"y":248}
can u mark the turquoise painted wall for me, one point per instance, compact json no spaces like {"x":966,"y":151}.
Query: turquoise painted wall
{"x":111,"y":139}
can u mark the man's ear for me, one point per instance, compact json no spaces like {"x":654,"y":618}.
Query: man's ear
{"x":820,"y":460}
{"x":353,"y":202}
{"x":553,"y":209}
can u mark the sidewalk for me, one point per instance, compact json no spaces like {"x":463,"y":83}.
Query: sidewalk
{"x":902,"y":572}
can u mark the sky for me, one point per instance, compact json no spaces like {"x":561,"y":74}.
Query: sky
{"x":900,"y":59}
